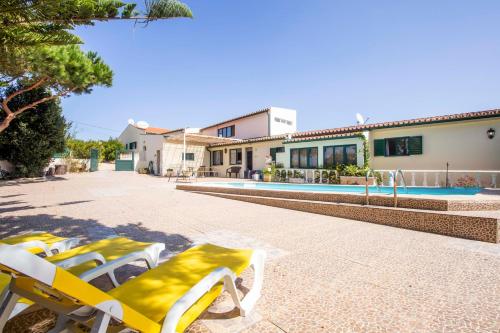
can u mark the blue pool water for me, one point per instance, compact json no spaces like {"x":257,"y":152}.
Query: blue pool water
{"x":353,"y":188}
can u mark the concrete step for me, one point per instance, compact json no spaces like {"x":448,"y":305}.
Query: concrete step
{"x":481,"y":228}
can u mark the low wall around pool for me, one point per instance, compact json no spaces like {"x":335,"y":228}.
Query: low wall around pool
{"x":420,"y":214}
{"x":404,"y":201}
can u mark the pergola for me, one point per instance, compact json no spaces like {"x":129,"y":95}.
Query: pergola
{"x":192,"y":136}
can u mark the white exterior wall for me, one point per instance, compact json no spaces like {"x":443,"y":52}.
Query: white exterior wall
{"x":245,"y":128}
{"x":133,"y":134}
{"x":261,"y":151}
{"x":172,"y":156}
{"x":278,"y":127}
{"x":464,"y":144}
{"x":285,"y":157}
{"x":153,"y":143}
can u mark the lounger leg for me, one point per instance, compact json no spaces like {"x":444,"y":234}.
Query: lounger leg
{"x":248,"y":302}
{"x":101,"y":323}
{"x":9,"y":301}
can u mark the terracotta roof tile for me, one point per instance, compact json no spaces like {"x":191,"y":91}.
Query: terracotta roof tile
{"x":400,"y":123}
{"x":156,"y":130}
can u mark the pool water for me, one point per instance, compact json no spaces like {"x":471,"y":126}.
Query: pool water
{"x":352,"y":188}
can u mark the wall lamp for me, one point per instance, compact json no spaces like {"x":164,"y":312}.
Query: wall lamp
{"x":490,"y":133}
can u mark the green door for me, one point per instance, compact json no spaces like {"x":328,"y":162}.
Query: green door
{"x":94,"y":159}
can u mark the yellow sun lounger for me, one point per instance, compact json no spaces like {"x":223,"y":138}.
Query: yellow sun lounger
{"x":86,"y":261}
{"x":41,"y":242}
{"x":164,"y":299}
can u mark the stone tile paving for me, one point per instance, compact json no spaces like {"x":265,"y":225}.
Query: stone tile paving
{"x":325,"y":274}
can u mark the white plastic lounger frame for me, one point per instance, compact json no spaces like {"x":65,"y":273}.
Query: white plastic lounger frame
{"x":245,"y":305}
{"x":60,"y":246}
{"x":151,"y":255}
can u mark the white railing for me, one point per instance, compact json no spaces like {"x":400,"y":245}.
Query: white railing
{"x":441,"y":178}
{"x":437,"y":178}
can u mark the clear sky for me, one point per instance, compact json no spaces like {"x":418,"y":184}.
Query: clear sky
{"x":327,"y":59}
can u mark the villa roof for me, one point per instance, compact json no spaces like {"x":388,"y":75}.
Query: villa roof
{"x":351,"y":131}
{"x":251,"y":114}
{"x":323,"y":137}
{"x":156,"y":130}
{"x":401,"y":123}
{"x":152,"y":130}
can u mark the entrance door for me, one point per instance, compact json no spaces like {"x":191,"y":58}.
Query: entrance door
{"x":249,"y":159}
{"x":158,"y":162}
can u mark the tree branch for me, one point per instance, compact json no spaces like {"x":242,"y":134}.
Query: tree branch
{"x":11,"y":115}
{"x":35,"y":85}
{"x":40,"y":101}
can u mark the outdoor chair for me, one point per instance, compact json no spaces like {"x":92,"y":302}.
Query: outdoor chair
{"x":87,"y":262}
{"x":41,"y":242}
{"x":202,"y":171}
{"x":185,"y":175}
{"x":233,"y":170}
{"x":165,"y":299}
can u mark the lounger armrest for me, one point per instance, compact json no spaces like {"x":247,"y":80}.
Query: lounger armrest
{"x":80,"y":259}
{"x":65,"y":244}
{"x":35,"y":244}
{"x":112,"y":265}
{"x":193,"y":295}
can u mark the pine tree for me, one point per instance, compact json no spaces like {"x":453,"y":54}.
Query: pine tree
{"x":33,"y":137}
{"x":38,"y":49}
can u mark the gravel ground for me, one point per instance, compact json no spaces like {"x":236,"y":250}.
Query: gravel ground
{"x":323,"y":274}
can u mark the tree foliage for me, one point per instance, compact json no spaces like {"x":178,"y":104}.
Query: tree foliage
{"x":59,"y":69}
{"x":81,"y":148}
{"x":38,"y":48}
{"x":33,"y":137}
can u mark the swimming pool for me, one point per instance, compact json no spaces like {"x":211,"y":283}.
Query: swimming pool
{"x":350,"y":188}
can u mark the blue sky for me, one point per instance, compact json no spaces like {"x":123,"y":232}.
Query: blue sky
{"x":327,"y":59}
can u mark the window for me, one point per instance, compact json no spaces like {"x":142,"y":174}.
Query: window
{"x":132,"y":145}
{"x":235,"y":156}
{"x":273,"y":152}
{"x":283,"y":121}
{"x":402,"y":146}
{"x":226,"y":132}
{"x":304,"y":158}
{"x":344,"y":154}
{"x":217,"y":157}
{"x":189,"y":156}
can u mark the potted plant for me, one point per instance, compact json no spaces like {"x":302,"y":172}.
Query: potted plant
{"x":297,"y":177}
{"x":354,"y":175}
{"x":267,"y":174}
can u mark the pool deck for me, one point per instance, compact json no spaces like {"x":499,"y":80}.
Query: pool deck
{"x":323,"y":274}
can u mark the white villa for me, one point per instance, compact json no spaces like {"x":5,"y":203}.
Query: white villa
{"x":465,"y":141}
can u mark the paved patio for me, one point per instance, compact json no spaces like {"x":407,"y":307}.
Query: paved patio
{"x":323,"y":274}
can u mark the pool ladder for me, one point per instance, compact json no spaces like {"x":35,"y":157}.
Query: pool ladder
{"x":395,"y":185}
{"x":367,"y":196}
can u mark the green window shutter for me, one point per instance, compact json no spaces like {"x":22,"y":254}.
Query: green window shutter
{"x":415,"y":145}
{"x":379,"y":147}
{"x":273,"y":154}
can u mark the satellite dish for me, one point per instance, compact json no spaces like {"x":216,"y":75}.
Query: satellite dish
{"x":131,"y":121}
{"x":360,"y":119}
{"x":142,"y":124}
